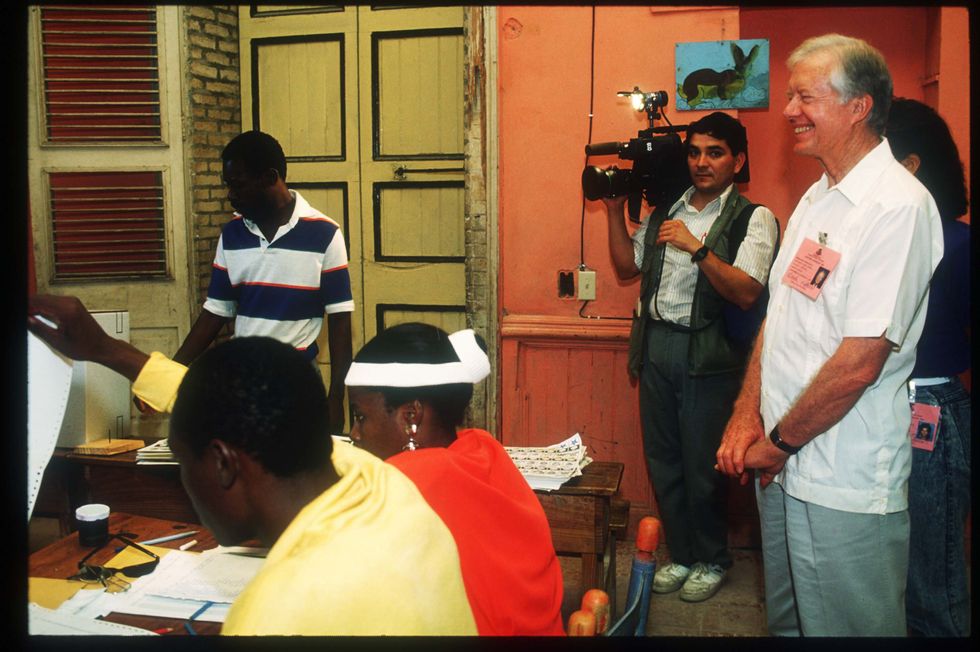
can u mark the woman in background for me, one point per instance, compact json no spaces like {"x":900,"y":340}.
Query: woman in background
{"x":937,"y":601}
{"x":409,"y":388}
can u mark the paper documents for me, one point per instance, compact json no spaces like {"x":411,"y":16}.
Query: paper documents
{"x":182,"y":583}
{"x":48,"y":384}
{"x":156,"y":453}
{"x":549,"y":467}
{"x":43,"y":621}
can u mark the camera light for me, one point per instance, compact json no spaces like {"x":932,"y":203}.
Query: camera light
{"x":638,"y":100}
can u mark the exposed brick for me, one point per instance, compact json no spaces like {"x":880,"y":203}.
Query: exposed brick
{"x":203,"y":12}
{"x":219,"y":31}
{"x":205,"y":42}
{"x":198,"y":68}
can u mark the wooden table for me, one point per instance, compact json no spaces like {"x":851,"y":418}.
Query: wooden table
{"x":118,"y":481}
{"x":60,"y":560}
{"x":578,"y":514}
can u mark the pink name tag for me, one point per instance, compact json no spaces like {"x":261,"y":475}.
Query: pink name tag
{"x":924,"y":429}
{"x":810,"y":268}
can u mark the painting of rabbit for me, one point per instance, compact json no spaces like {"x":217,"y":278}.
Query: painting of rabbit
{"x":722,"y":74}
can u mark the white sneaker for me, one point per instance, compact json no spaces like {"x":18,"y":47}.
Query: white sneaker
{"x":670,"y":578}
{"x":703,"y":582}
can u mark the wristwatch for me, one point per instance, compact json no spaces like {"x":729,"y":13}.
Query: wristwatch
{"x":778,"y":442}
{"x":700,"y":254}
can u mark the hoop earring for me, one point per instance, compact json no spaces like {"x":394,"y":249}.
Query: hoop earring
{"x":412,"y":444}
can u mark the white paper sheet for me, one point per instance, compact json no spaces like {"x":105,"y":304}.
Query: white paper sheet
{"x":42,"y":621}
{"x":141,"y":599}
{"x":205,"y":576}
{"x":48,"y":384}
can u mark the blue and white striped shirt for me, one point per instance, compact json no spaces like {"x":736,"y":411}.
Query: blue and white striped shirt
{"x":281,"y":288}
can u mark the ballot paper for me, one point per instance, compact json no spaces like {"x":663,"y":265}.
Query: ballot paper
{"x":48,"y":384}
{"x":549,"y":467}
{"x":156,"y":453}
{"x":48,"y":622}
{"x":182,"y":583}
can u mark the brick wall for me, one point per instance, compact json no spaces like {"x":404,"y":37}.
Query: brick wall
{"x":213,"y":118}
{"x":480,"y":302}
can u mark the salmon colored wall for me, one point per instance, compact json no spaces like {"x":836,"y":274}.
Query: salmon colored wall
{"x":544,"y":60}
{"x":543,"y":112}
{"x":780,"y":177}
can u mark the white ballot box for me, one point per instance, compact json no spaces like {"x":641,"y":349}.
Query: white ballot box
{"x":98,"y":402}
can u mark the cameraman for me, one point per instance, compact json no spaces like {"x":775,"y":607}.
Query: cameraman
{"x":688,"y":367}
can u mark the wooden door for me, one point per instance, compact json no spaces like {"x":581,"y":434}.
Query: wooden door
{"x":367,"y":104}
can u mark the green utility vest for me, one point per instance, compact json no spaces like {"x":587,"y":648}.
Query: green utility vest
{"x":710,"y":350}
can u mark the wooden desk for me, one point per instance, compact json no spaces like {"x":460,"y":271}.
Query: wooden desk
{"x":60,"y":560}
{"x":578,"y":514}
{"x":115,"y":480}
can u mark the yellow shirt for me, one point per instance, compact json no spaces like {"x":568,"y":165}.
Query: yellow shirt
{"x":367,"y":557}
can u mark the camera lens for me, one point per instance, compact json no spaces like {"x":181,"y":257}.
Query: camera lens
{"x":598,"y":183}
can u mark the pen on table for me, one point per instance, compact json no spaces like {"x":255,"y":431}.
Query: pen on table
{"x":179,"y":535}
{"x":189,"y":544}
{"x":187,"y":625}
{"x":163,"y":630}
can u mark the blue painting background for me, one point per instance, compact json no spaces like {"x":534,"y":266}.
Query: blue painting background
{"x":747,"y":88}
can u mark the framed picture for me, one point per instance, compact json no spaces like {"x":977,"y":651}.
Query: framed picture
{"x":714,"y":75}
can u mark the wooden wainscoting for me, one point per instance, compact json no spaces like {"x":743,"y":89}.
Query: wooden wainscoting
{"x":562,"y":375}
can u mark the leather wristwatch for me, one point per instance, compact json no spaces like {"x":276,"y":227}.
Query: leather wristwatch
{"x":778,"y":442}
{"x":700,"y":254}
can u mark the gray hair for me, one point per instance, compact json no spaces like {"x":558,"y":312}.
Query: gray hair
{"x":860,"y":69}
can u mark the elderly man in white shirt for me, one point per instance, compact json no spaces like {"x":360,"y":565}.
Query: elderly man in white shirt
{"x":822,"y":413}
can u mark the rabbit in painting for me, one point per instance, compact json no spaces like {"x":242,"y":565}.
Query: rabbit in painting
{"x":706,"y":83}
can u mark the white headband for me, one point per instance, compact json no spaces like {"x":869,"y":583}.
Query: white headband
{"x":473,"y":366}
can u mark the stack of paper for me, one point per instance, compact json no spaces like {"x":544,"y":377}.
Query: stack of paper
{"x":156,"y":453}
{"x":184,"y":584}
{"x":549,"y":467}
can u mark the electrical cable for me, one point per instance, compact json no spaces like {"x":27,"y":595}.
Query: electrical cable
{"x":581,"y":266}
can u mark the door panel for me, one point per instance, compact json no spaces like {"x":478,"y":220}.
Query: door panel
{"x":367,"y":103}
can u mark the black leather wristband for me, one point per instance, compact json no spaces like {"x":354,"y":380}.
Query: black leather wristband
{"x":699,"y":254}
{"x":778,"y":442}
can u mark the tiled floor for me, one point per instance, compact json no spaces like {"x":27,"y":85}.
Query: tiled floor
{"x":736,"y":610}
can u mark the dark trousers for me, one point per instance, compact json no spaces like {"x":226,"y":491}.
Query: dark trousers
{"x":683,"y":418}
{"x":938,"y":595}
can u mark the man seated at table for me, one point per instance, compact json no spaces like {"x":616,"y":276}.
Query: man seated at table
{"x":354,"y":548}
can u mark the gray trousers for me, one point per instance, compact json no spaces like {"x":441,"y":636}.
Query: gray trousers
{"x":829,"y":572}
{"x":683,"y":418}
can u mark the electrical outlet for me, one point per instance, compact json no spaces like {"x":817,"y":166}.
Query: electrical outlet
{"x":586,"y":285}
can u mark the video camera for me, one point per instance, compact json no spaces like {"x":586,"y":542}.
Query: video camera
{"x":659,"y":173}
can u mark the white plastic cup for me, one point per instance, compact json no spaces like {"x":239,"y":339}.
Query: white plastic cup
{"x":93,"y":524}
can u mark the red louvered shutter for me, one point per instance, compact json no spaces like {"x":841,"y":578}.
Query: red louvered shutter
{"x":101,"y":73}
{"x":108,"y":224}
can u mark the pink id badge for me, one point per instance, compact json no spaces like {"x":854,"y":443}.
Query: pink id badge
{"x":810,"y":268}
{"x":924,"y":429}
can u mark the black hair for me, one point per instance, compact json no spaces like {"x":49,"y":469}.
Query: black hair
{"x":260,"y":395}
{"x":417,"y":343}
{"x":724,"y":127}
{"x":916,"y":128}
{"x":258,"y":151}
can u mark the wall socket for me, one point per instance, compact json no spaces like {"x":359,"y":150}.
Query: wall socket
{"x":586,"y":285}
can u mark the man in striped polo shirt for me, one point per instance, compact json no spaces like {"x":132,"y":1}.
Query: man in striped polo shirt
{"x":688,"y":366}
{"x":279,"y":266}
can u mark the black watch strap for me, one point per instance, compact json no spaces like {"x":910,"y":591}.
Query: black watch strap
{"x":699,"y":254}
{"x":778,"y":442}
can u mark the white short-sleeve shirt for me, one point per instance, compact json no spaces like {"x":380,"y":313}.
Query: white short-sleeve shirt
{"x":679,"y":276}
{"x":886,"y":227}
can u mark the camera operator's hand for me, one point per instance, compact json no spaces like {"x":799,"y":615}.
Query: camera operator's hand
{"x":675,"y":232}
{"x":614,"y":206}
{"x":620,"y":244}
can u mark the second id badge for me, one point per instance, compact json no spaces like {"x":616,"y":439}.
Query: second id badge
{"x":810,"y":267}
{"x":924,"y":429}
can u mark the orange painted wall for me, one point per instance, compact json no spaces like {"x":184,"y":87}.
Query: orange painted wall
{"x":544,"y":87}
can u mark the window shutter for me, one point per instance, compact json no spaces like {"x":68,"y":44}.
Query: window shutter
{"x":101,"y":73}
{"x":108,"y":224}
